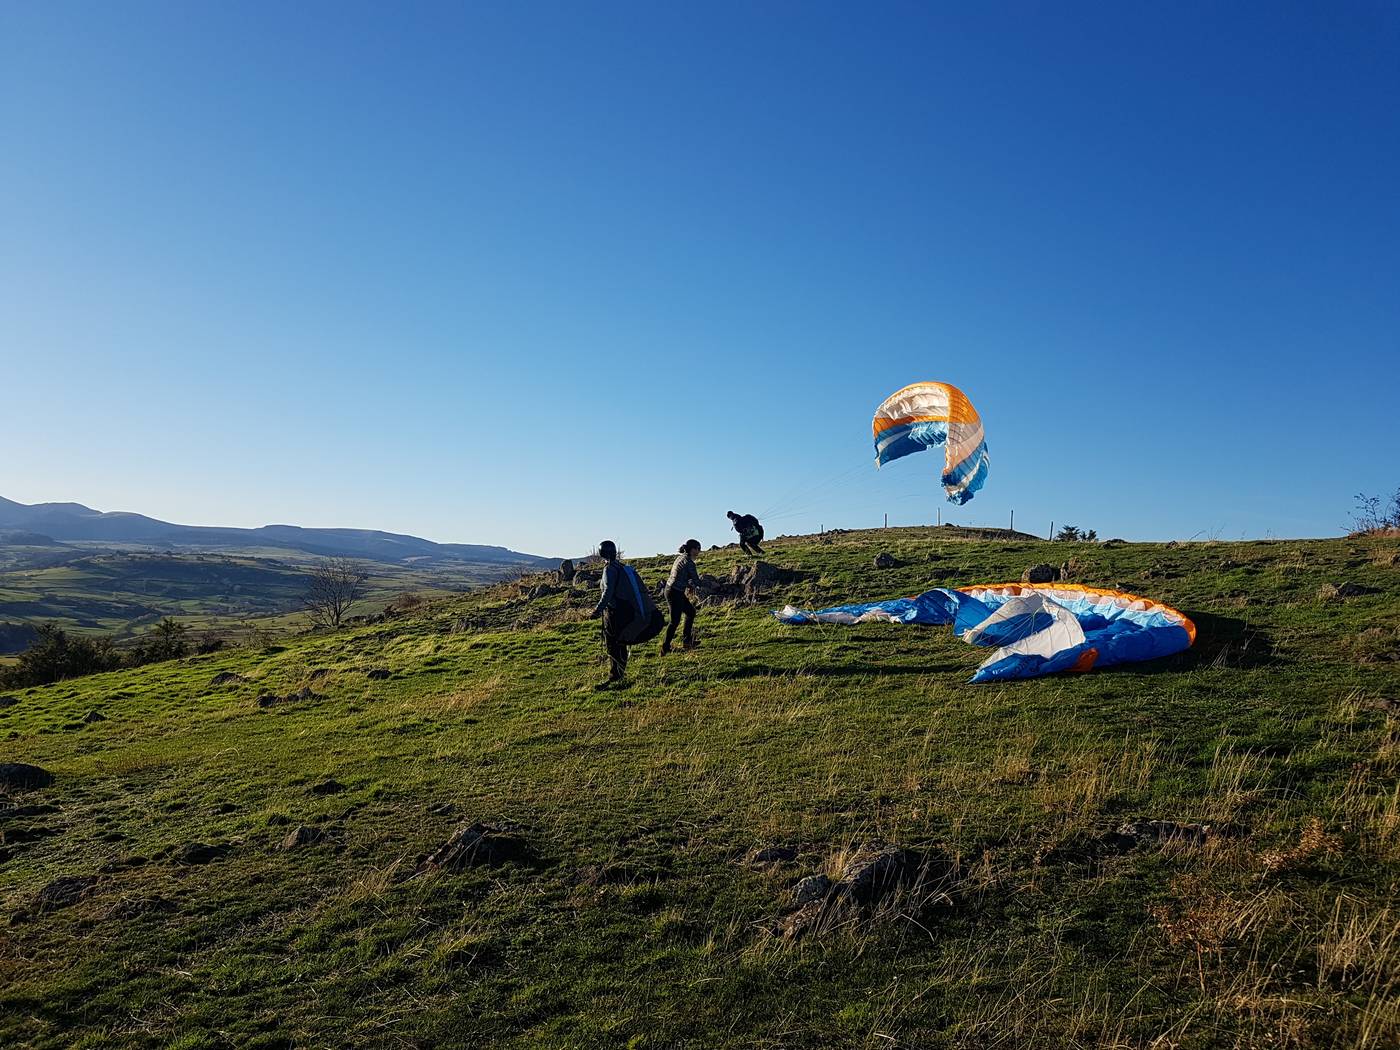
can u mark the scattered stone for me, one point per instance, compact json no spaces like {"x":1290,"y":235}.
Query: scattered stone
{"x":869,"y":875}
{"x":1172,"y":544}
{"x":63,"y":892}
{"x":476,"y":844}
{"x":23,"y":776}
{"x":317,"y":673}
{"x":1142,"y":832}
{"x":278,"y":820}
{"x":1070,"y":569}
{"x":757,"y":575}
{"x":1115,"y":542}
{"x":771,"y":855}
{"x":94,"y":716}
{"x":1041,"y":573}
{"x":303,"y":835}
{"x":1331,"y":592}
{"x":378,"y":674}
{"x":199,"y":853}
{"x":874,"y":872}
{"x":442,"y":809}
{"x":885,"y":560}
{"x":220,"y":808}
{"x":812,"y":888}
{"x":8,"y":701}
{"x":227,"y":678}
{"x":329,"y":786}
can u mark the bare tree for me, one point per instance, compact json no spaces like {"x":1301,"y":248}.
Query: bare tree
{"x":336,"y":584}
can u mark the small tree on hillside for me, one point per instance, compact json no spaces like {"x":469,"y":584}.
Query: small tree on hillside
{"x":1372,"y":515}
{"x":336,"y":584}
{"x":1074,"y":534}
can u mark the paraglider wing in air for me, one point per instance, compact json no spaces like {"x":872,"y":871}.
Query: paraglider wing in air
{"x":926,"y":415}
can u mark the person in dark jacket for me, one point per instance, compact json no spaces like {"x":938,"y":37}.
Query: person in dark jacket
{"x":749,"y":530}
{"x":684,"y":576}
{"x":617,"y":612}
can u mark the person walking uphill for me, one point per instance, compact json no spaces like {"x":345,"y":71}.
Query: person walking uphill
{"x":749,"y":530}
{"x":684,"y":577}
{"x":628,"y":614}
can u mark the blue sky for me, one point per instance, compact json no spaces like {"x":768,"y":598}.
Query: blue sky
{"x":537,"y":274}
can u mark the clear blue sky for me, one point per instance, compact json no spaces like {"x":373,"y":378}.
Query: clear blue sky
{"x":536,"y":274}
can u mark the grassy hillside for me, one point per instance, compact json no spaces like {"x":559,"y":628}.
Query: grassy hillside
{"x":622,"y":906}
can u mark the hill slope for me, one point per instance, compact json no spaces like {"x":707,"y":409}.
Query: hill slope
{"x":620,"y":903}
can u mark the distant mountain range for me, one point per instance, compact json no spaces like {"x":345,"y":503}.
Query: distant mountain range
{"x":35,"y":524}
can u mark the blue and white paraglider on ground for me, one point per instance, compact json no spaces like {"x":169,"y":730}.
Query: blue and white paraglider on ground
{"x":1038,"y":629}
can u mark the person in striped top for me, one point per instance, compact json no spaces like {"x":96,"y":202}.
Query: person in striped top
{"x":684,"y":576}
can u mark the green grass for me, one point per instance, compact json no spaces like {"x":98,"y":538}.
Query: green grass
{"x":637,"y":924}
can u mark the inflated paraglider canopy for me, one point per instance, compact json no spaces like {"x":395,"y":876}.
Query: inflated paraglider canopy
{"x":925,"y":415}
{"x":1038,"y":629}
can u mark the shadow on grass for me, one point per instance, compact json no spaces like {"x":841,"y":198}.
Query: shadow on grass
{"x":836,"y":671}
{"x":1221,"y":642}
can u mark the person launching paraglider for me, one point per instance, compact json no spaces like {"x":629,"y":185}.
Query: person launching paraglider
{"x":749,"y":530}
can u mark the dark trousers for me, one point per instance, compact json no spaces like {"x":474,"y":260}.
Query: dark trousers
{"x":614,"y":620}
{"x":680,"y":606}
{"x":749,"y":545}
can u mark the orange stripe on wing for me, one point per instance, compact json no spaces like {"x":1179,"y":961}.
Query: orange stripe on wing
{"x":1019,"y":588}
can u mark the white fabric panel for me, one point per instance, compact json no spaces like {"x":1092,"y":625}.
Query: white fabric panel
{"x":1064,"y":633}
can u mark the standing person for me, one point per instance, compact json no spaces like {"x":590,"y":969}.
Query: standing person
{"x":684,"y":576}
{"x":616,"y":611}
{"x":749,"y":530}
{"x":629,"y":615}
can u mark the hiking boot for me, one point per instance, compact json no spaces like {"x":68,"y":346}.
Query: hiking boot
{"x":689,"y":644}
{"x":665,"y":648}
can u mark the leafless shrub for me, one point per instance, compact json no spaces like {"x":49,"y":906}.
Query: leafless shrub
{"x":336,"y":584}
{"x":1375,"y":516}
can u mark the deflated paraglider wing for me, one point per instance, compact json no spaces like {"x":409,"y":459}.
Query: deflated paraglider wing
{"x":924,"y":415}
{"x":1038,"y":629}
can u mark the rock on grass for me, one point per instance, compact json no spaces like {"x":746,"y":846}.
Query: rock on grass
{"x":303,"y":835}
{"x":476,"y":844}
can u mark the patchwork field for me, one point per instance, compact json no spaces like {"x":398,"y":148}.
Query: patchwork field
{"x":436,"y":832}
{"x":123,"y":593}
